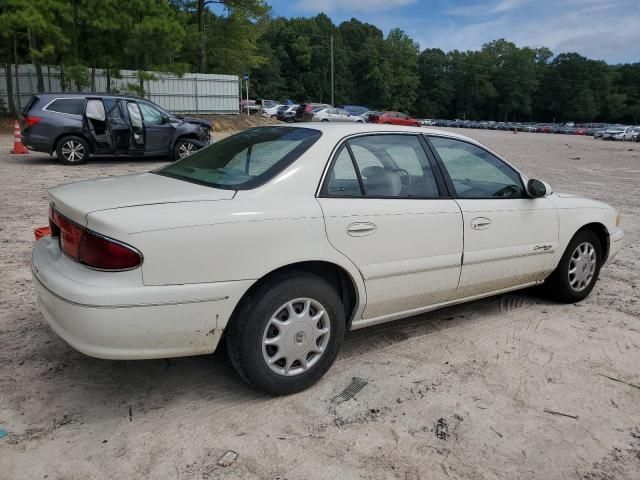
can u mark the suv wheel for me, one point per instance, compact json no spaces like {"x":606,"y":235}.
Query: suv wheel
{"x":183,"y":148}
{"x":286,"y":333}
{"x":72,"y":150}
{"x":576,"y":274}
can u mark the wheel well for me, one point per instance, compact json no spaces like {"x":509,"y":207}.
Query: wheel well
{"x":603,"y":235}
{"x":332,"y":273}
{"x":182,"y":137}
{"x":54,"y":146}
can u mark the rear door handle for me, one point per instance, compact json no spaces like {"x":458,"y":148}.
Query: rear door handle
{"x":480,"y":223}
{"x":361,"y":229}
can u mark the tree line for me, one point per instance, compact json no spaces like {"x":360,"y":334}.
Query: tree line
{"x":290,"y":59}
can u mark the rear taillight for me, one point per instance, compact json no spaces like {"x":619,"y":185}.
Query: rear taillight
{"x":30,"y":120}
{"x":89,"y":248}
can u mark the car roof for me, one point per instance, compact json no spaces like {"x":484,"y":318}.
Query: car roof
{"x":51,"y":95}
{"x":336,"y":131}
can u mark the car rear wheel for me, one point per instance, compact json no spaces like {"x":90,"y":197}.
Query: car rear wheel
{"x":183,"y":148}
{"x":286,"y":333}
{"x":72,"y":150}
{"x":578,"y":270}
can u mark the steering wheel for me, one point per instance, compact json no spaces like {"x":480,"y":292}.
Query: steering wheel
{"x":506,"y":191}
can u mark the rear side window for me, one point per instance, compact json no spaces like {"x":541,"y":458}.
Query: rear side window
{"x":382,"y":166}
{"x":245,"y":160}
{"x":70,"y":106}
{"x":113,"y":107}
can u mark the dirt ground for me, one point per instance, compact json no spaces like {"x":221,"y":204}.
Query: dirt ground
{"x":456,"y":393}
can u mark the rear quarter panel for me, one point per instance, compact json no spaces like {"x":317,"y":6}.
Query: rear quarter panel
{"x":239,"y":239}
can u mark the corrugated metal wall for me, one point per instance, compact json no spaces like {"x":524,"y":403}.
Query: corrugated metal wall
{"x":191,"y":93}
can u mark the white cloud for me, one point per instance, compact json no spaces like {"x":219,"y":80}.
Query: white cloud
{"x":330,"y":6}
{"x":598,"y":29}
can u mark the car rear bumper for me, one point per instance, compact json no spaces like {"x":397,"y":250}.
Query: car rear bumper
{"x":129,"y":321}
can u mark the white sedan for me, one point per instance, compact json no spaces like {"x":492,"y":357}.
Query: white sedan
{"x":283,"y":238}
{"x":618,"y":133}
{"x":335,"y":115}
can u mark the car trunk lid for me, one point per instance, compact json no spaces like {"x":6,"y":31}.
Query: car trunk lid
{"x":77,"y":200}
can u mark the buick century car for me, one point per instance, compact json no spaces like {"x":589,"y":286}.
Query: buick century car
{"x":278,"y":240}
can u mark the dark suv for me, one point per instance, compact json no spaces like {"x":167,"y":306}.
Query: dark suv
{"x":77,"y":125}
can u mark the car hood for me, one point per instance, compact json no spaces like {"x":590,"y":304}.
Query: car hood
{"x":197,"y":121}
{"x":77,"y":200}
{"x":572,"y":200}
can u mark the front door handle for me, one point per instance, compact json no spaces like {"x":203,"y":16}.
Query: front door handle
{"x":361,"y":229}
{"x":480,"y":223}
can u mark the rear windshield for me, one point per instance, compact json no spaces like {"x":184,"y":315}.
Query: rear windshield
{"x":29,"y":104}
{"x":245,"y":160}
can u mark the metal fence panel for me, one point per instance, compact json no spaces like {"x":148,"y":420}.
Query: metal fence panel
{"x":191,"y":93}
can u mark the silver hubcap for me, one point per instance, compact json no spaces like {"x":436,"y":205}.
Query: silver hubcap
{"x":582,"y":266}
{"x":73,"y":151}
{"x":186,"y":149}
{"x":296,"y":337}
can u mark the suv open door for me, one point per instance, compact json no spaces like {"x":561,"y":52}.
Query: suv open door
{"x":138,"y":134}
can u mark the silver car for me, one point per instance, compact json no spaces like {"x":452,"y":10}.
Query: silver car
{"x":335,"y":115}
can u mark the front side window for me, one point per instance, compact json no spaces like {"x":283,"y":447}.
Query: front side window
{"x":150,"y":114}
{"x":70,"y":106}
{"x":475,"y":173}
{"x":245,"y":160}
{"x":388,"y":166}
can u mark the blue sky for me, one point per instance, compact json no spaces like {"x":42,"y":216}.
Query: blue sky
{"x":601,"y":29}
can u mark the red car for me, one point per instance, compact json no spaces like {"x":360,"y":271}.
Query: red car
{"x":395,"y":118}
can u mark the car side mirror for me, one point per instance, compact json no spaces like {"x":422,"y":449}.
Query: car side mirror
{"x":538,"y":188}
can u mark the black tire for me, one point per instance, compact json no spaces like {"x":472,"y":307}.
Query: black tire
{"x":251,"y":318}
{"x":72,"y":150}
{"x":179,"y":147}
{"x":324,"y":120}
{"x":558,"y":284}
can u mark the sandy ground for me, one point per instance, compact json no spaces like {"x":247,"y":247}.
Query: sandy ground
{"x":457,"y":393}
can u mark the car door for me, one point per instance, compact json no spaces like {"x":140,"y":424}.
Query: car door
{"x":95,"y":125}
{"x":159,"y":130}
{"x":509,"y":238}
{"x":386,"y":209}
{"x":137,"y":131}
{"x":118,"y":125}
{"x":342,"y":115}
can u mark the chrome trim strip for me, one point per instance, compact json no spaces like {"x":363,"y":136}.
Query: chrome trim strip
{"x":509,"y":257}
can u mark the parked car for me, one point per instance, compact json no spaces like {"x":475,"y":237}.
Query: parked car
{"x":394,"y":118}
{"x":618,"y":133}
{"x":334,"y":115}
{"x":79,"y":125}
{"x":636,"y":134}
{"x":267,"y":237}
{"x":366,"y":116}
{"x":286,"y":113}
{"x":354,"y":109}
{"x":271,"y":111}
{"x":304,"y":113}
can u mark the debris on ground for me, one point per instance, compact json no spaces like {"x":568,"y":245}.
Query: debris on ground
{"x":348,"y":393}
{"x":228,"y":458}
{"x":553,"y":412}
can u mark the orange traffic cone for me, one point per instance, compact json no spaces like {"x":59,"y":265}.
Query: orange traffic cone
{"x":18,"y":147}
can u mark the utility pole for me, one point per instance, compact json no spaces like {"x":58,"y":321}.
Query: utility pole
{"x":332,"y":102}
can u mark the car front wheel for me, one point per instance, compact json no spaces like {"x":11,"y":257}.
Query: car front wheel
{"x":287,"y":332}
{"x":183,"y":148}
{"x":578,"y":270}
{"x":72,"y":150}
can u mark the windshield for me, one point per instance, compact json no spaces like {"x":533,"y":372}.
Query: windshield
{"x":245,"y":160}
